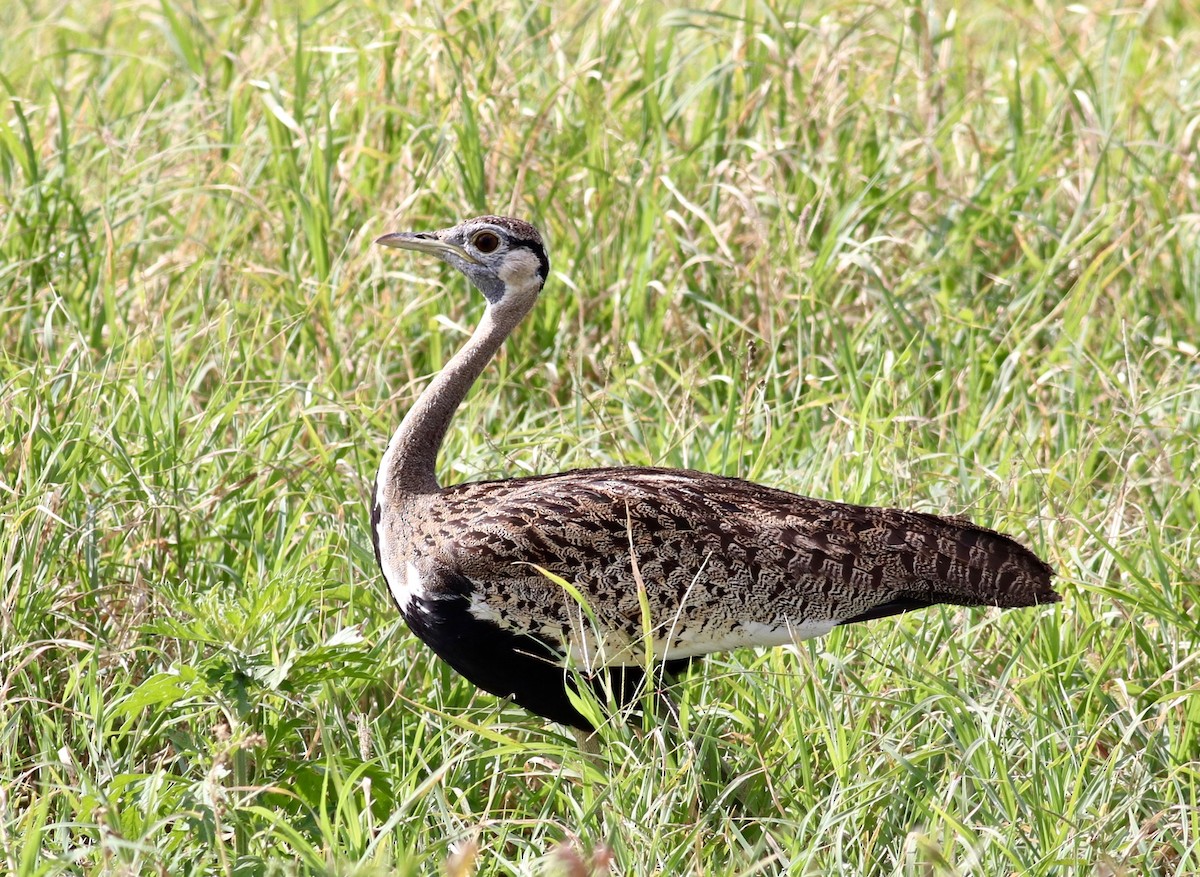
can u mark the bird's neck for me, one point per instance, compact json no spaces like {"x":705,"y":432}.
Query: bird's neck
{"x":408,"y":465}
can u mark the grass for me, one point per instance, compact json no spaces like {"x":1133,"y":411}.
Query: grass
{"x":911,"y":254}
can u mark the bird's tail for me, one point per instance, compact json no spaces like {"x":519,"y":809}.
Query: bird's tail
{"x":951,"y":560}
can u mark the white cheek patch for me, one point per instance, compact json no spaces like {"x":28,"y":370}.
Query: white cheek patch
{"x":520,"y":269}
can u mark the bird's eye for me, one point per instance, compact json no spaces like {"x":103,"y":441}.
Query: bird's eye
{"x":485,"y":242}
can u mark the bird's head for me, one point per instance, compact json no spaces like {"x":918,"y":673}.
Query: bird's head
{"x":503,"y":257}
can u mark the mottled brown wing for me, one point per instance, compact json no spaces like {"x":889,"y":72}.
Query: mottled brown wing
{"x":725,"y":563}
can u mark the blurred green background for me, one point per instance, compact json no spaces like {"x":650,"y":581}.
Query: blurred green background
{"x":944,"y":256}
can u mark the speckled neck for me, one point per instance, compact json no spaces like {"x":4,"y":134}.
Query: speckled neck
{"x":408,"y":465}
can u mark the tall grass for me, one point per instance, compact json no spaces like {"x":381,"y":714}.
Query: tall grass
{"x":945,"y":257}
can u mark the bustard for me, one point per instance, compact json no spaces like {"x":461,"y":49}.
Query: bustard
{"x":724,"y":563}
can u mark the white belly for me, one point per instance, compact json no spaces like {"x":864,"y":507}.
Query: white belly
{"x":592,"y":651}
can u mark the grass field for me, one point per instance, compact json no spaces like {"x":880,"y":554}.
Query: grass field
{"x":945,"y":257}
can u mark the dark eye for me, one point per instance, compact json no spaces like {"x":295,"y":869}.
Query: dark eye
{"x":485,"y":242}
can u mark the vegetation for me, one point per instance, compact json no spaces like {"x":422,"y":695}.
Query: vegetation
{"x":944,"y":257}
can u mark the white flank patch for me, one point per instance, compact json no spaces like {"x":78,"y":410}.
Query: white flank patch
{"x":482,"y":610}
{"x":406,"y":586}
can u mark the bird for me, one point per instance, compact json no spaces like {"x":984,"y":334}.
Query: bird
{"x":531,"y":586}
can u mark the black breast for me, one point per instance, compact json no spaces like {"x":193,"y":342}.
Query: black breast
{"x":509,"y":664}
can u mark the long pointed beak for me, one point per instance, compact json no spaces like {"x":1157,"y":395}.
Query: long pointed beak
{"x":423,"y":242}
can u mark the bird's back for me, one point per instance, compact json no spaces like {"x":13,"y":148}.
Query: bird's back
{"x":723,"y":562}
